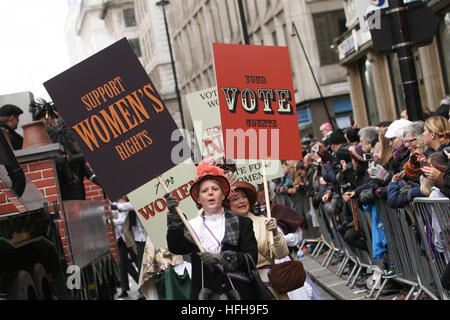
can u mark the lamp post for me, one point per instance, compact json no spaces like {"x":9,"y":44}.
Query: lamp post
{"x":163,"y":3}
{"x":397,"y":12}
{"x":243,"y":23}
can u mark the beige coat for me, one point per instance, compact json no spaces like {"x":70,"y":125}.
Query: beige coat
{"x":280,"y":249}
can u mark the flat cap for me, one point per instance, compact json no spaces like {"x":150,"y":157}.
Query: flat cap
{"x":10,"y":110}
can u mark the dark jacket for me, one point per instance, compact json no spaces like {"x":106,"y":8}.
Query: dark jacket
{"x":399,"y":194}
{"x":239,"y":238}
{"x":446,"y":185}
{"x":15,"y":138}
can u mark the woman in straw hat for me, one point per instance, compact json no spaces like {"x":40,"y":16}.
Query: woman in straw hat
{"x":241,"y":199}
{"x":220,"y":271}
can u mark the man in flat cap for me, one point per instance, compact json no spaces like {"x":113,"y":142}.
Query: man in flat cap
{"x":9,"y":119}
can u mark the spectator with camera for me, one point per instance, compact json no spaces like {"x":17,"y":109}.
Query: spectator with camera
{"x":339,"y":148}
{"x":352,"y":176}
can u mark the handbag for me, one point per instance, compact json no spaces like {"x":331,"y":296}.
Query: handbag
{"x":262,"y":292}
{"x":287,"y":276}
{"x":208,"y":294}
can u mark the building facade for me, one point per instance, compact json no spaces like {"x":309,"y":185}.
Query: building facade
{"x":195,"y":25}
{"x":95,"y":24}
{"x":375,"y":81}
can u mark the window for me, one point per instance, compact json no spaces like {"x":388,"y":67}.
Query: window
{"x":129,"y":17}
{"x":274,"y":38}
{"x":366,"y":72}
{"x":304,"y":117}
{"x":328,"y":26}
{"x":343,"y":110}
{"x":135,"y":46}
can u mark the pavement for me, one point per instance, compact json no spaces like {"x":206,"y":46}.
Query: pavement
{"x":133,"y":293}
{"x":336,"y":287}
{"x":328,"y":281}
{"x":328,"y":284}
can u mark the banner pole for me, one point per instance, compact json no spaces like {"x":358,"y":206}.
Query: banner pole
{"x":268,"y":213}
{"x":183,"y":218}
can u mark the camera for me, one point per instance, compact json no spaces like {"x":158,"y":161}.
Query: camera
{"x":368,"y":156}
{"x":345,"y":187}
{"x":337,"y":167}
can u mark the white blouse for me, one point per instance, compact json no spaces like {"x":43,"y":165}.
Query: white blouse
{"x":210,"y":230}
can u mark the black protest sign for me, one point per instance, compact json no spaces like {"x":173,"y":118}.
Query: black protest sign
{"x":118,"y":118}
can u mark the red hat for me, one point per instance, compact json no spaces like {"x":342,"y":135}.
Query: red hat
{"x":205,"y":171}
{"x":326,"y":126}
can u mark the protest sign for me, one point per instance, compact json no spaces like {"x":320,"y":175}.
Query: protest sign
{"x":205,"y":114}
{"x":117,"y":117}
{"x":257,"y":105}
{"x":149,"y":203}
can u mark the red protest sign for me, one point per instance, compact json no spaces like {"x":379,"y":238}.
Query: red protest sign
{"x":257,"y":103}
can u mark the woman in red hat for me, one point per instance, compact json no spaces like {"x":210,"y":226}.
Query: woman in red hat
{"x":221,"y":270}
{"x":241,"y":199}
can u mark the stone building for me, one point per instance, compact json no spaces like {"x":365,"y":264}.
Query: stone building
{"x":95,"y":24}
{"x":195,"y":25}
{"x":375,"y":82}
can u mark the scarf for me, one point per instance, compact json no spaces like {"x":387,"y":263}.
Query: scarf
{"x":400,"y":152}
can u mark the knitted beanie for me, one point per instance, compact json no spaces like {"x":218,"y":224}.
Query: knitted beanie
{"x":357,"y":153}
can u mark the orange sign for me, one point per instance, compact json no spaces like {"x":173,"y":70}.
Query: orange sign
{"x":257,"y":103}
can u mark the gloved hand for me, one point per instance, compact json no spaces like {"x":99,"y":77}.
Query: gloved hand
{"x":113,"y":205}
{"x":173,"y":219}
{"x":171,"y":202}
{"x":271,"y":225}
{"x":379,"y":173}
{"x":210,"y":258}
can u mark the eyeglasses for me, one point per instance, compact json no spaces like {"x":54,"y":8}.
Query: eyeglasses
{"x":409,"y":141}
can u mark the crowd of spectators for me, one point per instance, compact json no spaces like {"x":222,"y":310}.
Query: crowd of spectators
{"x":395,"y":160}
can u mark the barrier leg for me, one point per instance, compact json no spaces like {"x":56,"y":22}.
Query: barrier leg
{"x":302,"y":245}
{"x":356,"y":277}
{"x":342,"y":266}
{"x":315,"y":249}
{"x":351,"y":274}
{"x":331,"y":258}
{"x":328,"y":257}
{"x":318,"y":249}
{"x":410,"y":292}
{"x":374,"y":286}
{"x":418,"y":294}
{"x":381,"y":289}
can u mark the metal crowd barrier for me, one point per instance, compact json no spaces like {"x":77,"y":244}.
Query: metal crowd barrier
{"x":400,"y":254}
{"x":433,"y":222}
{"x":310,"y":232}
{"x":412,"y":247}
{"x":326,"y":226}
{"x":406,"y":251}
{"x":365,"y":259}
